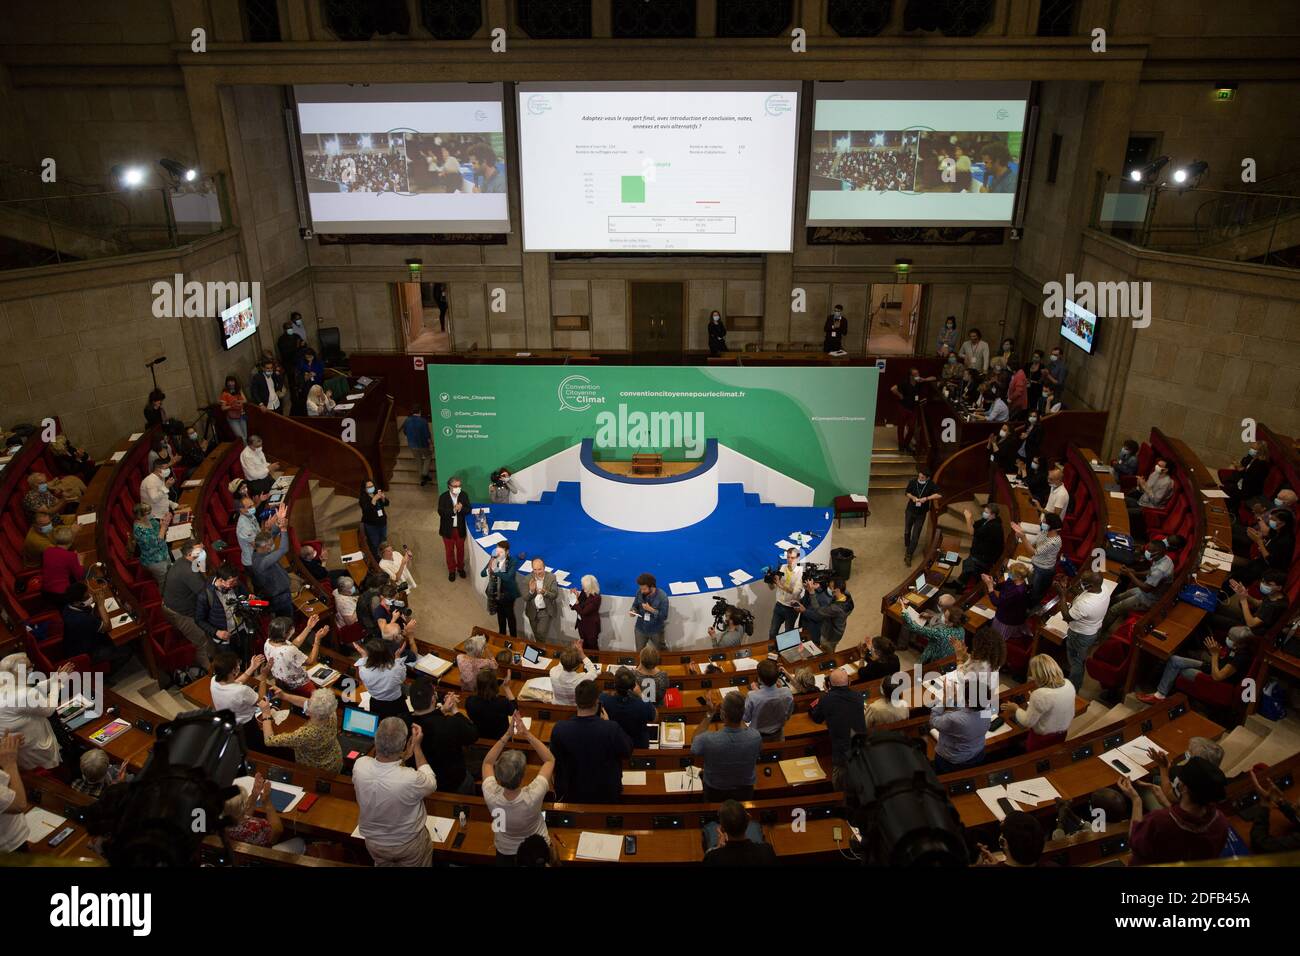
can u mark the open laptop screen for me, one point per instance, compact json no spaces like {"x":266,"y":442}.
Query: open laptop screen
{"x":788,"y":639}
{"x":359,"y":722}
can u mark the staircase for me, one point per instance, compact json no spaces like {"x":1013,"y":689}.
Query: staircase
{"x":891,"y":469}
{"x":333,"y":512}
{"x":953,"y":524}
{"x":1258,"y":740}
{"x":137,"y":686}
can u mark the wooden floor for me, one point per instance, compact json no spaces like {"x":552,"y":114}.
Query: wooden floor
{"x":670,"y":469}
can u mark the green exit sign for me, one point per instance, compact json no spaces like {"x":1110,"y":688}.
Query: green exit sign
{"x":1225,"y":93}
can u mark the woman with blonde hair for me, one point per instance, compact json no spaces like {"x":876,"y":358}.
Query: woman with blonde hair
{"x":1011,"y":598}
{"x":315,"y":743}
{"x":1050,"y":708}
{"x":318,"y":402}
{"x":586,"y":603}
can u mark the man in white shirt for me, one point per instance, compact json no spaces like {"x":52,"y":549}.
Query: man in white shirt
{"x":516,"y":809}
{"x":14,"y":832}
{"x":155,"y":490}
{"x":974,"y":352}
{"x":568,"y":674}
{"x":788,"y":590}
{"x":391,"y":796}
{"x":25,"y":710}
{"x":1058,"y":498}
{"x":396,"y":566}
{"x":1084,"y":615}
{"x":256,"y":468}
{"x":998,"y":410}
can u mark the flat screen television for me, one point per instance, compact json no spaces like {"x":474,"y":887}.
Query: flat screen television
{"x":1079,"y":326}
{"x":238,"y":322}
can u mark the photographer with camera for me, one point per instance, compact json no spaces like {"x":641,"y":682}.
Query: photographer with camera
{"x":396,"y":566}
{"x":787,"y":582}
{"x":218,"y":611}
{"x":502,"y":487}
{"x":503,"y":587}
{"x":733,"y":633}
{"x":832,"y":617}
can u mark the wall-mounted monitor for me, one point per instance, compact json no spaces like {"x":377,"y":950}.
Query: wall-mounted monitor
{"x":1079,"y":326}
{"x":655,"y":167}
{"x":238,"y":322}
{"x":925,"y":153}
{"x":397,"y":158}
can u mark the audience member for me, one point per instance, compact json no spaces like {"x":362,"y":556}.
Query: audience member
{"x":390,"y":796}
{"x":769,"y":704}
{"x":735,"y":839}
{"x":627,"y":708}
{"x":446,"y":734}
{"x":516,"y":808}
{"x":589,"y":752}
{"x":730,"y":754}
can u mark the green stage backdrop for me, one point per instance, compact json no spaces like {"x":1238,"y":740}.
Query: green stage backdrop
{"x":813,"y":424}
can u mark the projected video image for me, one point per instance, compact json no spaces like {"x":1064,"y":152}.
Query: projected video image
{"x":966,"y":162}
{"x":846,"y":160}
{"x":238,"y":322}
{"x":457,"y":162}
{"x":1079,"y":325}
{"x":404,"y":162}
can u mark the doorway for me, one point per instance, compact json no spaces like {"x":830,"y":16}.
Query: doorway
{"x":893,"y":318}
{"x":423,"y":316}
{"x":656,"y":311}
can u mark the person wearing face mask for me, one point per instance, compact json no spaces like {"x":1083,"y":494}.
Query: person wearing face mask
{"x":1030,"y":436}
{"x":1034,"y":476}
{"x":162,"y":450}
{"x":41,"y":495}
{"x":910,"y":394}
{"x":1219,"y":663}
{"x":39,"y":538}
{"x":374,"y":515}
{"x":835,"y":329}
{"x":232,"y":404}
{"x":986,"y":543}
{"x":1002,"y":450}
{"x":717,"y":334}
{"x":246,"y":529}
{"x":1056,"y":371}
{"x":949,"y":335}
{"x":1018,"y":392}
{"x":501,"y":487}
{"x":215,"y":610}
{"x":1047,"y":549}
{"x":180,"y":596}
{"x":261,"y":474}
{"x":1058,"y":497}
{"x":921,"y":491}
{"x":155,"y":491}
{"x":1245,"y":616}
{"x":1084,"y":614}
{"x":1048,"y":402}
{"x":454,"y":511}
{"x":150,"y":544}
{"x":1143,"y":591}
{"x":952,"y":368}
{"x":1275,"y":547}
{"x":1005,"y":359}
{"x":270,"y":579}
{"x":193,"y":448}
{"x":1246,"y":481}
{"x":543,"y":595}
{"x":266,"y":386}
{"x":1151,"y":492}
{"x":1125,"y":465}
{"x":503,"y":567}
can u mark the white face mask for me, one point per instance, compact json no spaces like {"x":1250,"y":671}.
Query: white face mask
{"x":199,"y":561}
{"x":455,"y":491}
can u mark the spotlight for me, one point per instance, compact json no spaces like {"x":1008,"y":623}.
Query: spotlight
{"x":1148,"y":174}
{"x":128,"y":177}
{"x":178,"y":171}
{"x":1190,"y":175}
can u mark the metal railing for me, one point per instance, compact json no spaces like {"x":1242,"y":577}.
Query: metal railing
{"x":83,"y":222}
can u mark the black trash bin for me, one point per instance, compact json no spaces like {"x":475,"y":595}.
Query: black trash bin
{"x":842,"y":562}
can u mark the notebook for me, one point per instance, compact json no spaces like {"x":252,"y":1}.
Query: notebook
{"x":801,"y":770}
{"x":604,"y":847}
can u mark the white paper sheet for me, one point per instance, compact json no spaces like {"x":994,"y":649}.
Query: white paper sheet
{"x":353,"y":557}
{"x":740,"y":577}
{"x":178,"y":532}
{"x":1138,"y":748}
{"x":136,"y":437}
{"x":860,"y":499}
{"x":683,"y":781}
{"x":491,"y":539}
{"x":346,"y":406}
{"x":712,"y":582}
{"x":743,"y":664}
{"x":42,"y":823}
{"x":1214,"y":492}
{"x":785,"y":545}
{"x":1032,"y":792}
{"x":1135,"y":770}
{"x":634,"y":778}
{"x":89,"y":518}
{"x":117,"y":456}
{"x":604,"y":847}
{"x":684,"y":587}
{"x":990,"y":797}
{"x":505,"y":525}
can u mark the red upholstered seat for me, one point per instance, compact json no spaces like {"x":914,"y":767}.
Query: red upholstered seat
{"x":1109,"y":663}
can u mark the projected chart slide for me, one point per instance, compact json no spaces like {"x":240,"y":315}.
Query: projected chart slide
{"x":664,"y":169}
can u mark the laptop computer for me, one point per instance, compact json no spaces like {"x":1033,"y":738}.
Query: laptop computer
{"x":358,"y":733}
{"x":923,"y":587}
{"x":788,"y":645}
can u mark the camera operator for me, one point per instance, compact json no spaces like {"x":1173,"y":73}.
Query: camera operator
{"x":788,"y":584}
{"x":833,"y":616}
{"x":216,"y":611}
{"x":502,"y":487}
{"x":816,"y":595}
{"x":733,"y":634}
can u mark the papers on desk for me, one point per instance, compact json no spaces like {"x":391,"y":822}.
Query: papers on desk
{"x":41,"y":823}
{"x":683,"y":587}
{"x":1138,"y":751}
{"x":745,"y":664}
{"x":603,"y":847}
{"x":178,"y":532}
{"x":192,"y":483}
{"x":432,"y":665}
{"x":322,"y":675}
{"x":712,"y":582}
{"x":724,"y":691}
{"x":111,"y":605}
{"x":802,"y":770}
{"x":117,"y":456}
{"x":672,"y":733}
{"x":860,"y":499}
{"x":820,"y":681}
{"x":88,"y":518}
{"x":1100,"y":467}
{"x":1117,"y":494}
{"x":684,"y":781}
{"x":488,"y":540}
{"x":353,"y":398}
{"x":505,"y":525}
{"x":1032,"y":792}
{"x":785,"y":545}
{"x":740,"y":577}
{"x":634,"y":778}
{"x":538,"y":686}
{"x":136,"y":437}
{"x":983,"y":611}
{"x":990,"y":797}
{"x":1214,"y":492}
{"x":353,"y":557}
{"x":1122,"y":763}
{"x":346,"y":406}
{"x":1213,"y":560}
{"x":439,"y":828}
{"x":1056,"y":623}
{"x":120,"y":621}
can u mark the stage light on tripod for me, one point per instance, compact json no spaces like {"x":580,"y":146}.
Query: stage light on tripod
{"x":129,"y":177}
{"x":1150,"y":173}
{"x":1190,"y":175}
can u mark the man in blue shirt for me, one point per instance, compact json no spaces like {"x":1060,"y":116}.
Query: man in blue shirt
{"x":626,"y":708}
{"x":418,"y":438}
{"x":768,"y":705}
{"x":998,"y":174}
{"x":730,"y":754}
{"x":650,"y":608}
{"x":270,"y":580}
{"x":589,"y":752}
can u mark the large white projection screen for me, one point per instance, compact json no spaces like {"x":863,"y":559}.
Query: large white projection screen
{"x":665,"y":166}
{"x":916,"y":154}
{"x":395,"y":158}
